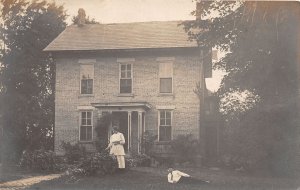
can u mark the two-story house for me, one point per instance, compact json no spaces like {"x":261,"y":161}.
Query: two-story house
{"x":143,"y":73}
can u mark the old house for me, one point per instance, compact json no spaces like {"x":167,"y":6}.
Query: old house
{"x":143,"y":73}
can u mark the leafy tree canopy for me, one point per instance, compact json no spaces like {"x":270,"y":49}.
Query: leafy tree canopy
{"x":259,"y":37}
{"x":27,"y":74}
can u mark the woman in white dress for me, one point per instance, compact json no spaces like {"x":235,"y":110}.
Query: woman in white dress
{"x":115,"y":145}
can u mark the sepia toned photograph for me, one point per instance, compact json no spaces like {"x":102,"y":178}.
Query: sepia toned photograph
{"x":149,"y":94}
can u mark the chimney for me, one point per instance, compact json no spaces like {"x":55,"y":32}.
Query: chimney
{"x":81,"y":17}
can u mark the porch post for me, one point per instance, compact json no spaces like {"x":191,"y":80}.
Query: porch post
{"x":140,"y":123}
{"x":144,"y":122}
{"x":144,"y":130}
{"x":129,"y":131}
{"x":109,"y":128}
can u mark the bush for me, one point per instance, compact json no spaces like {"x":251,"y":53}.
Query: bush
{"x":164,"y":161}
{"x":185,"y":148}
{"x":138,"y":160}
{"x":95,"y":164}
{"x":148,"y":142}
{"x":39,"y":160}
{"x":73,"y":153}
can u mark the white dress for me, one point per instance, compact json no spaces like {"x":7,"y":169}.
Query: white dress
{"x":118,"y":149}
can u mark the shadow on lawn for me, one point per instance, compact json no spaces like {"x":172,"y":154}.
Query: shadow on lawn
{"x":136,"y":179}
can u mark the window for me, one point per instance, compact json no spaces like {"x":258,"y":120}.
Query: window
{"x":125,"y":78}
{"x":86,"y":126}
{"x":166,"y":77}
{"x":165,"y":125}
{"x":86,"y":77}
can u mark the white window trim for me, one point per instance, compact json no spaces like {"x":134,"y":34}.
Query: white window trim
{"x":85,"y":62}
{"x":167,"y":107}
{"x":92,"y":122}
{"x":159,"y":124}
{"x":131,"y":66}
{"x":125,"y":60}
{"x":165,"y":60}
{"x":162,"y":59}
{"x":85,"y":108}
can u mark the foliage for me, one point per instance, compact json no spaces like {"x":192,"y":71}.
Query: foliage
{"x":186,"y":148}
{"x":261,"y":64}
{"x":98,"y":164}
{"x":73,"y":153}
{"x":138,"y":160}
{"x":101,"y":129}
{"x":148,"y":140}
{"x":39,"y":160}
{"x":27,"y":73}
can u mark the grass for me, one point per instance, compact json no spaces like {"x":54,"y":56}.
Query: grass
{"x":14,"y":173}
{"x":155,"y":178}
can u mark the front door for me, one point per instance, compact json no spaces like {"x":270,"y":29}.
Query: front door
{"x":121,"y":119}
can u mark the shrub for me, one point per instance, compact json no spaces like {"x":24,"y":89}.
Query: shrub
{"x":185,"y":148}
{"x":164,"y":161}
{"x":73,"y":153}
{"x":148,"y":142}
{"x":138,"y":160}
{"x":101,"y":129}
{"x":97,"y":164}
{"x":39,"y":160}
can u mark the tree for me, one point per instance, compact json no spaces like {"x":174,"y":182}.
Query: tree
{"x":27,"y":77}
{"x":261,"y":64}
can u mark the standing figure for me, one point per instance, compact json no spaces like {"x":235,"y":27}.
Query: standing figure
{"x":116,"y":143}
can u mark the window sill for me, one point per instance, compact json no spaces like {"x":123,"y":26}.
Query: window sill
{"x":86,"y":142}
{"x":165,"y":94}
{"x":125,"y":95}
{"x":86,"y":95}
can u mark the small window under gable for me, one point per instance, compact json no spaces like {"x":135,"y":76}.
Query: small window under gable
{"x":166,"y":77}
{"x":86,"y":78}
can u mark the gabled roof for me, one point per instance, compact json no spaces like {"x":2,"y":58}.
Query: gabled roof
{"x":158,"y":34}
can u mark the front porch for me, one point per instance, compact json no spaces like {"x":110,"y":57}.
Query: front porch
{"x":130,"y":117}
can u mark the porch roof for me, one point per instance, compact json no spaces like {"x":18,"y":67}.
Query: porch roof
{"x":123,"y":106}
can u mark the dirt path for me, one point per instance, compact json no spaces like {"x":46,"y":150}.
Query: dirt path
{"x":23,"y":183}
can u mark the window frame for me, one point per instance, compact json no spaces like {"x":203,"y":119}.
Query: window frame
{"x":80,"y":125}
{"x":93,"y":79}
{"x":120,"y":76}
{"x":171,"y":125}
{"x":164,"y":77}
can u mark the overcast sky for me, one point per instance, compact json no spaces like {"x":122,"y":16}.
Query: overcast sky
{"x":113,"y":11}
{"x":118,"y":11}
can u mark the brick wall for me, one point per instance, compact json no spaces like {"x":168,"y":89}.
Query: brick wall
{"x":186,"y":73}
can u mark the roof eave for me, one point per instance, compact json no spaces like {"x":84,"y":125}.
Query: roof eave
{"x":121,"y":49}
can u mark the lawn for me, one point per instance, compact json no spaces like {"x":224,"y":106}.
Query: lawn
{"x":155,"y":178}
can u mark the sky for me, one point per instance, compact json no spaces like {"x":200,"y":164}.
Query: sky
{"x":120,"y":11}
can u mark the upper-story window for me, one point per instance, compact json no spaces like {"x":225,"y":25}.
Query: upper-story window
{"x":86,"y":78}
{"x":166,"y":77}
{"x":125,"y":78}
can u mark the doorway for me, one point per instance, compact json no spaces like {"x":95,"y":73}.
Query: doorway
{"x":120,"y":119}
